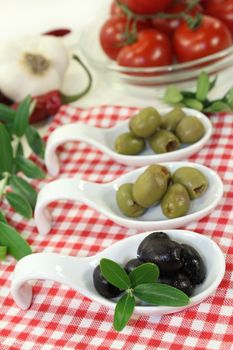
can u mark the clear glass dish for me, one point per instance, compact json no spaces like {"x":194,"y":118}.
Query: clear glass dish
{"x":151,"y":76}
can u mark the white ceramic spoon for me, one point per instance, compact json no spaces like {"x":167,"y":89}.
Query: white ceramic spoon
{"x":104,"y":140}
{"x":102,"y":198}
{"x":76,"y":272}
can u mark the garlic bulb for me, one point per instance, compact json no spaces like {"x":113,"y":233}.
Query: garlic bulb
{"x":32,"y":66}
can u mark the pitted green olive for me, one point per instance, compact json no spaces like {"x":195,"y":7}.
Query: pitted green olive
{"x":164,"y":141}
{"x":190,"y":130}
{"x":172,"y":118}
{"x":126,"y":202}
{"x":129,"y":144}
{"x":194,"y":181}
{"x":175,"y":202}
{"x":151,"y":185}
{"x":145,"y":123}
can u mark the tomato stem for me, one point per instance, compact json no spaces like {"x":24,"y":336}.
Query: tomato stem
{"x":183,"y":15}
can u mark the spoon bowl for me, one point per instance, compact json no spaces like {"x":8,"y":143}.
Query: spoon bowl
{"x":102,"y":197}
{"x":104,"y":139}
{"x":76,"y":272}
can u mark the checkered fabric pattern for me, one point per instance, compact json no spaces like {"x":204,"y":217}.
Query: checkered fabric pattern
{"x":61,"y":318}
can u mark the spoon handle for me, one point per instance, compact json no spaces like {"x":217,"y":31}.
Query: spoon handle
{"x":72,"y":189}
{"x":66,"y":133}
{"x":49,"y":266}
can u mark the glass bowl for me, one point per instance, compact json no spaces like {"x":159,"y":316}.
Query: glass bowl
{"x":150,"y":76}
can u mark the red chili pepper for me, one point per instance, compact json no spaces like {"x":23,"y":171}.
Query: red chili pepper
{"x":58,"y":32}
{"x":46,"y":105}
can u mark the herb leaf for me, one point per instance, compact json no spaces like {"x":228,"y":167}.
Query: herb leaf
{"x":173,"y":95}
{"x":35,"y":141}
{"x":7,"y":114}
{"x":3,"y":251}
{"x":218,"y":106}
{"x":29,"y":168}
{"x":20,"y":204}
{"x":6,"y":151}
{"x":22,"y":116}
{"x":19,"y":150}
{"x":2,"y":218}
{"x":16,"y":245}
{"x":123,"y":311}
{"x":199,"y":100}
{"x":203,"y":86}
{"x":193,"y":103}
{"x":145,"y":273}
{"x":114,"y":274}
{"x":23,"y":188}
{"x":161,"y":294}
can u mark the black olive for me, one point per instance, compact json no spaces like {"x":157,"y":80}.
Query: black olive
{"x":102,"y":286}
{"x":180,"y":282}
{"x":193,"y":265}
{"x":163,"y":252}
{"x":132,"y":264}
{"x":154,"y":235}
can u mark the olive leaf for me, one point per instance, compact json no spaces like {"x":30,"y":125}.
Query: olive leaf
{"x":114,"y":274}
{"x":16,"y":245}
{"x":6,"y":151}
{"x":23,"y":188}
{"x":144,"y":273}
{"x":141,"y":283}
{"x":161,"y":294}
{"x":218,"y":106}
{"x":173,"y":95}
{"x":199,"y":100}
{"x":29,"y":168}
{"x":20,"y":204}
{"x":19,"y":149}
{"x":229,"y":97}
{"x":123,"y":311}
{"x":35,"y":141}
{"x":2,"y":218}
{"x":203,"y":86}
{"x":7,"y":114}
{"x":192,"y":103}
{"x":3,"y":251}
{"x":22,"y":117}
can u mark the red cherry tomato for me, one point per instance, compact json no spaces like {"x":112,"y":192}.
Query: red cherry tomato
{"x":168,"y":26}
{"x":221,"y":9}
{"x":146,"y":6}
{"x":113,"y":34}
{"x":209,"y":37}
{"x":151,"y":49}
{"x":115,"y":10}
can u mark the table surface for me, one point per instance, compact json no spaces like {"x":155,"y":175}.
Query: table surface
{"x":60,"y":318}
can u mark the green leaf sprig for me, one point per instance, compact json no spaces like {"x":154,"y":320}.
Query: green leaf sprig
{"x":18,"y":192}
{"x":198,"y":99}
{"x":141,"y":283}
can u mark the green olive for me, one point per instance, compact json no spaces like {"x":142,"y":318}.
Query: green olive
{"x":163,"y":141}
{"x":172,"y":118}
{"x":194,"y":181}
{"x":130,"y":144}
{"x":151,"y":185}
{"x":190,"y":130}
{"x":175,"y":202}
{"x":145,"y":123}
{"x":126,"y":203}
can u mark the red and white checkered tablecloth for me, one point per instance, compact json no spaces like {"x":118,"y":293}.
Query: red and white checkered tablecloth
{"x":61,"y":318}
